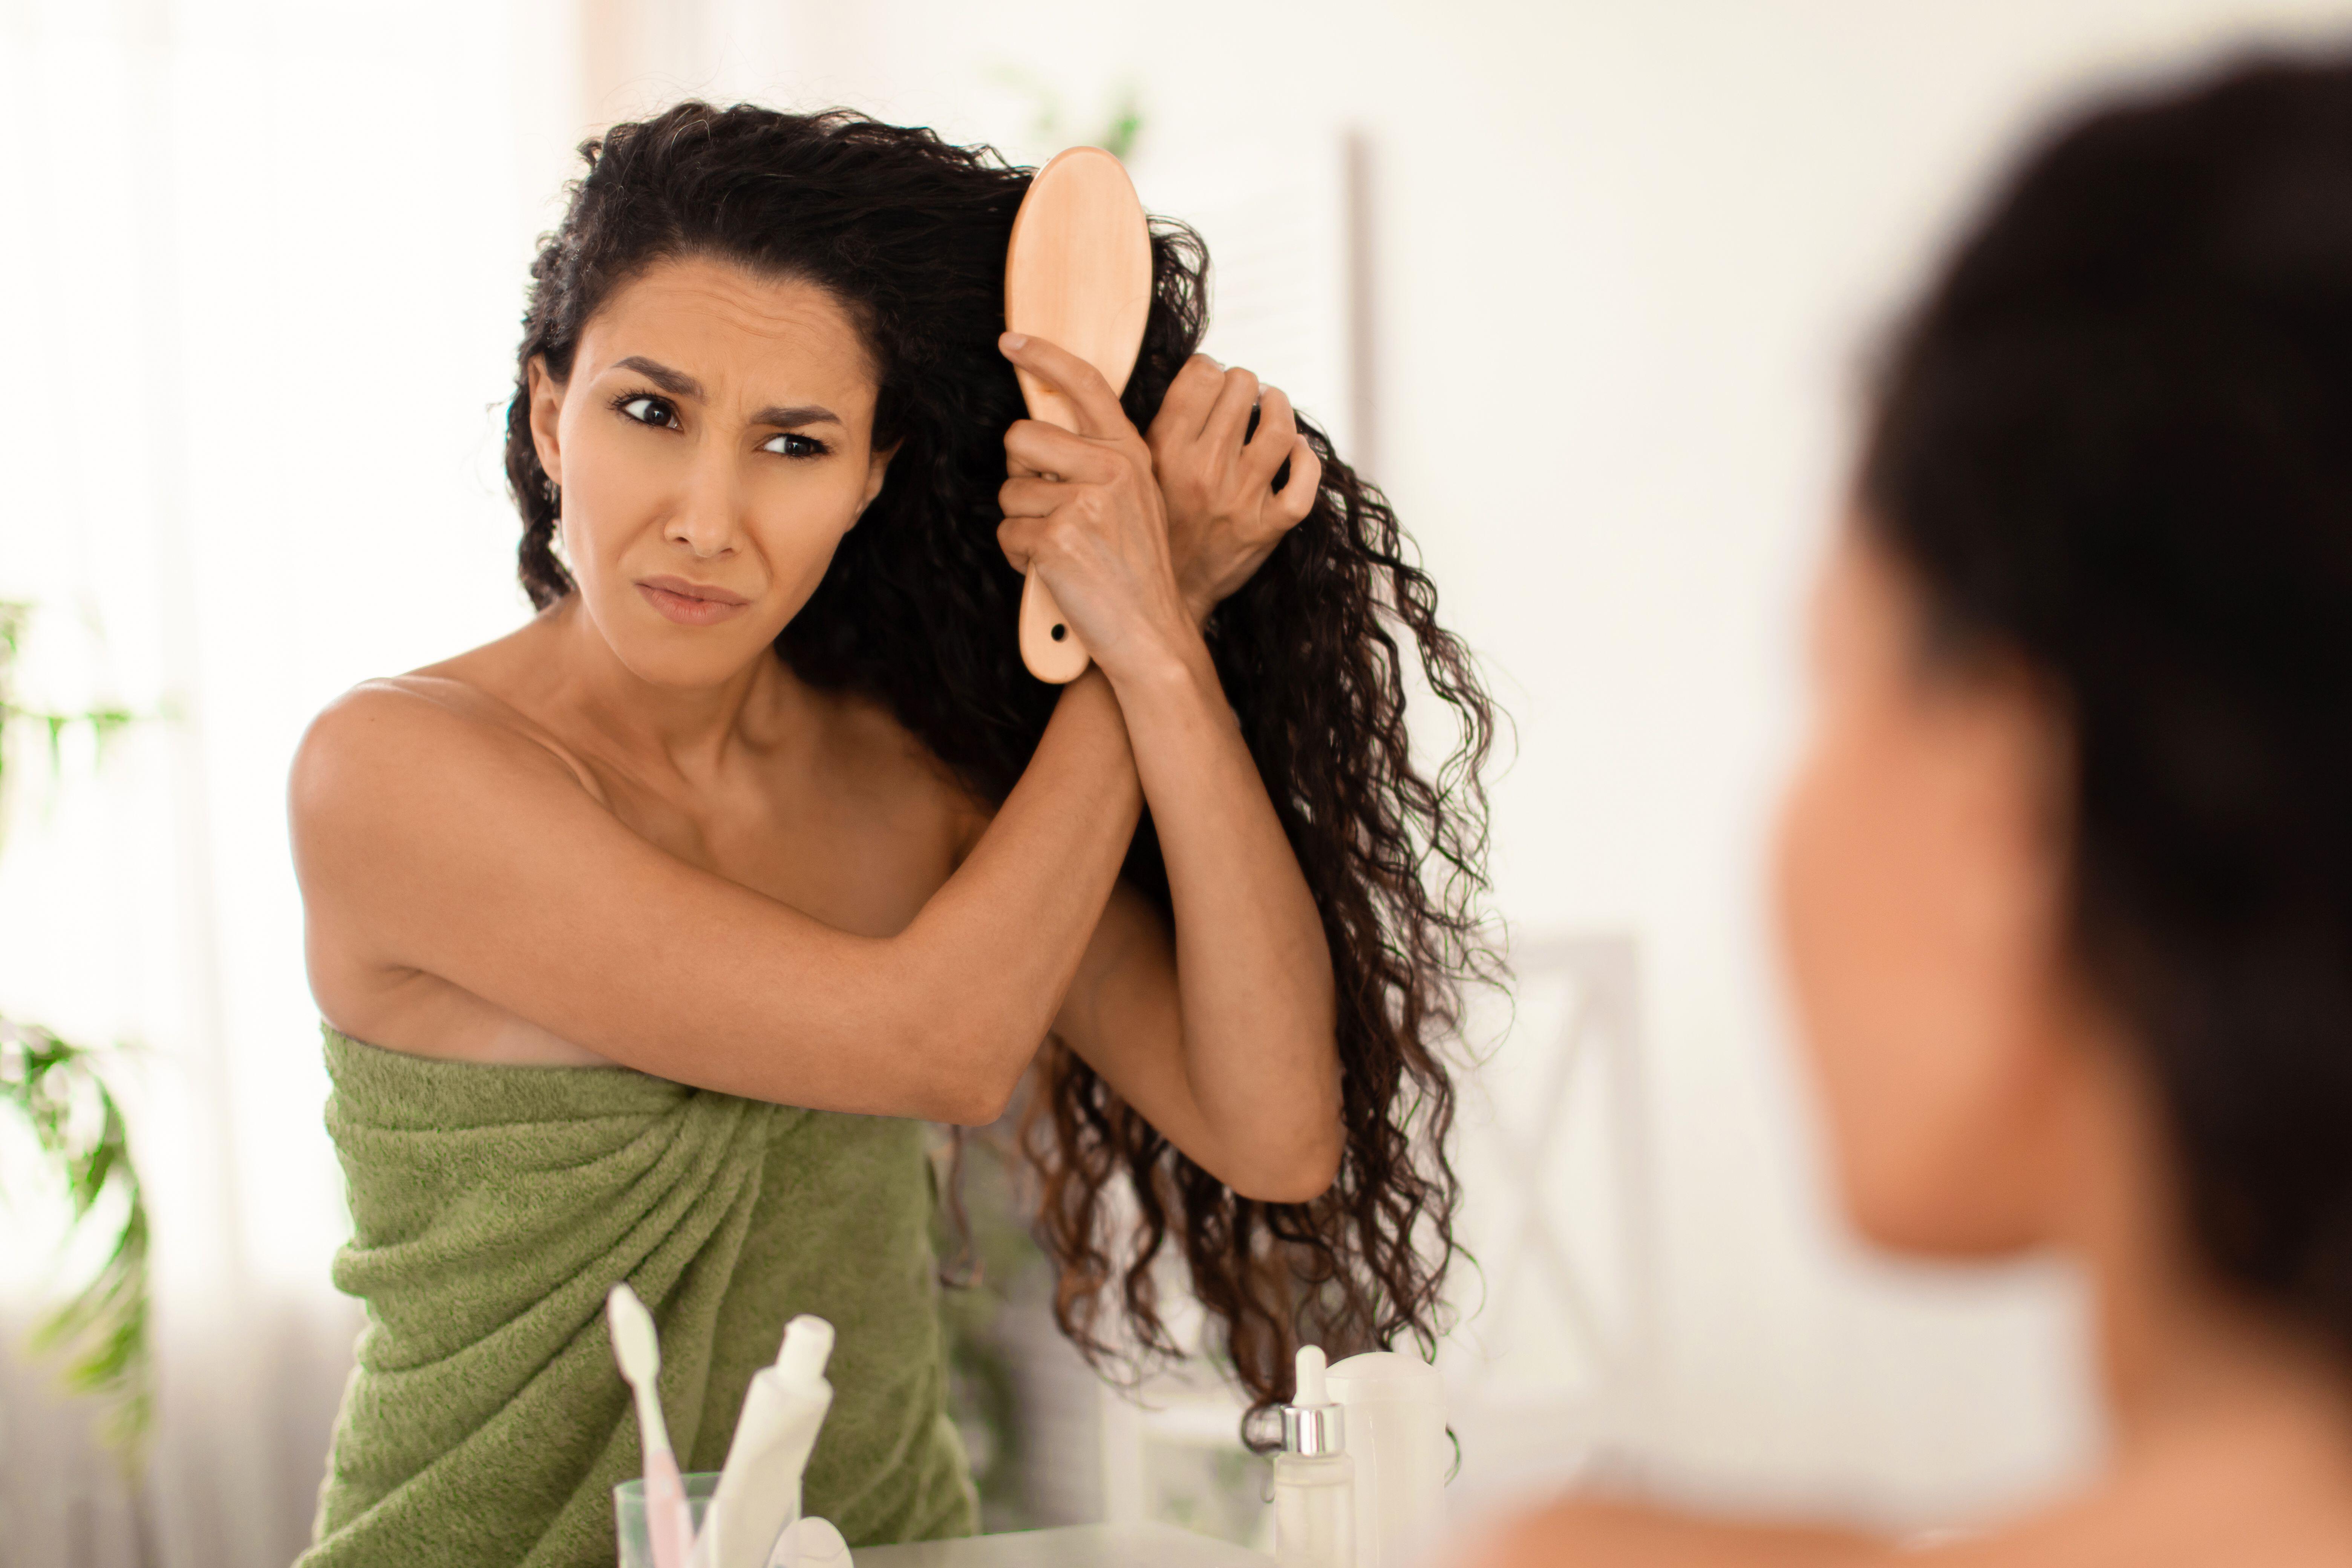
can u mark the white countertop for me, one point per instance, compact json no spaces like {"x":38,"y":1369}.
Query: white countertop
{"x":1078,"y":1546}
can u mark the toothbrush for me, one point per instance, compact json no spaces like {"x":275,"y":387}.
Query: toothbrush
{"x":637,"y":1348}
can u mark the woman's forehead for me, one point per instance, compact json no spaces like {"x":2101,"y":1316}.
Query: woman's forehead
{"x":739,"y":328}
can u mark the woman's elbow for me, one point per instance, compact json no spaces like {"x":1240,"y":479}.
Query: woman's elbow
{"x":972,"y":1103}
{"x":958,"y":1067}
{"x":971,"y":1085}
{"x":1299,"y":1174}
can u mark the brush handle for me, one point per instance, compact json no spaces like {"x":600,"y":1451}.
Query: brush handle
{"x":667,"y":1520}
{"x":1054,"y":659}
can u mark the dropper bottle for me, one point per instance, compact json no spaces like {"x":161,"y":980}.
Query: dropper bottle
{"x":1314,"y":1478}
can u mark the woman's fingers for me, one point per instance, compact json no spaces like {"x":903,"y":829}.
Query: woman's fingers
{"x":1044,"y":448}
{"x":1017,"y":537}
{"x":1069,"y":536}
{"x":1229,"y":416}
{"x":1295,"y":499}
{"x":1099,"y":414}
{"x":1276,"y":441}
{"x":1185,"y":409}
{"x":1270,"y":443}
{"x":1030,"y":495}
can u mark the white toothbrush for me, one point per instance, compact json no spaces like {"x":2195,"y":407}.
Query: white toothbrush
{"x":637,"y":1348}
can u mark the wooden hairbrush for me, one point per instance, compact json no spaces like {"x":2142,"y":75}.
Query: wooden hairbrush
{"x":1077,"y":274}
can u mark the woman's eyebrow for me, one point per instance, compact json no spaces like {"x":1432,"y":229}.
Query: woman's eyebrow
{"x":795,"y":417}
{"x":677,"y":383}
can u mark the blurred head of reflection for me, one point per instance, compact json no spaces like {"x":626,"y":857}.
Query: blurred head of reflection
{"x":2065,"y":880}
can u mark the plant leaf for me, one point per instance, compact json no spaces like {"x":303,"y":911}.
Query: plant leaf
{"x":100,"y":1331}
{"x":60,"y":1093}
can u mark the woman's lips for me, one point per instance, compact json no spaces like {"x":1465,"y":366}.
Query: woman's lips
{"x":691,"y":604}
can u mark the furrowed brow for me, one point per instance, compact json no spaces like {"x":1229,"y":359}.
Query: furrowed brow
{"x":677,"y":383}
{"x":796,"y":417}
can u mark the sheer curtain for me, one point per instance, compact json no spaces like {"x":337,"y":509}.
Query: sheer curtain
{"x":263,"y":272}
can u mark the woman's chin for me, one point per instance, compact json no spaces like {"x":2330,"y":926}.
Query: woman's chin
{"x":1946,"y":1222}
{"x":692,"y":657}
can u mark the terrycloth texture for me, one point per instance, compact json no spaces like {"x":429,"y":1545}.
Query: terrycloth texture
{"x":491,"y":1209}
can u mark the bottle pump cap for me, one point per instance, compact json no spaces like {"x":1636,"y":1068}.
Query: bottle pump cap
{"x":1311,"y":1424}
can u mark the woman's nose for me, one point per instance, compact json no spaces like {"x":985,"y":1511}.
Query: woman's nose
{"x":708,"y":519}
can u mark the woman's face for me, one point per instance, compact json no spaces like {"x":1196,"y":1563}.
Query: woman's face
{"x":1921,"y":893}
{"x":713,"y":443}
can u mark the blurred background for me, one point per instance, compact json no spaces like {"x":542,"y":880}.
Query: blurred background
{"x":1591,"y":288}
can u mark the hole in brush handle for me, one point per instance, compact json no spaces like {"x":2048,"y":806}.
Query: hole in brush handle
{"x":1050,"y":644}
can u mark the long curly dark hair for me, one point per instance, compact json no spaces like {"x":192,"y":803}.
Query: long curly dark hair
{"x":2116,"y":441}
{"x":918,"y":611}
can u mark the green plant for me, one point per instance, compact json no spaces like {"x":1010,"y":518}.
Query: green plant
{"x":60,"y":1090}
{"x":1049,"y":118}
{"x":61,"y":1094}
{"x":103,"y":723}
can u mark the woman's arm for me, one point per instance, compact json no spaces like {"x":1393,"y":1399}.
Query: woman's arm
{"x":1224,"y":1038}
{"x":491,"y":868}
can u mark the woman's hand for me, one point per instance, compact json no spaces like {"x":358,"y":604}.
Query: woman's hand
{"x":1225,"y":516}
{"x":1084,"y":508}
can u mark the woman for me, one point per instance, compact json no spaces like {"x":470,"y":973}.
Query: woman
{"x":2066,"y":880}
{"x":644,"y":935}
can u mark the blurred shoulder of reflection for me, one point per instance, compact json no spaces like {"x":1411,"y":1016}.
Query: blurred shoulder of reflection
{"x":1594,"y":1533}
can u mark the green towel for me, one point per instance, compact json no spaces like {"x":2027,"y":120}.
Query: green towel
{"x":491,"y":1209}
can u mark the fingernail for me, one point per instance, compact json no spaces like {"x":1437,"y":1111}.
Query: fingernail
{"x":1013,"y":342}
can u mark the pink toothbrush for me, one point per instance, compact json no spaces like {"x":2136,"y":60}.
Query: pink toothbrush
{"x":637,"y":1348}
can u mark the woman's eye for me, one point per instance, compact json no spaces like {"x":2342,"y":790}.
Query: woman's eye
{"x":650,"y":411}
{"x":791,"y":446}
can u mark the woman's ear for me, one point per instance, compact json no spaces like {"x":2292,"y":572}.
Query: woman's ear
{"x":546,"y":414}
{"x":878,"y":468}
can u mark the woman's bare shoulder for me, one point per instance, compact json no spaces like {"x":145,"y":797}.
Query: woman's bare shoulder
{"x":1605,"y":1534}
{"x":407,"y":732}
{"x":2282,"y":1510}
